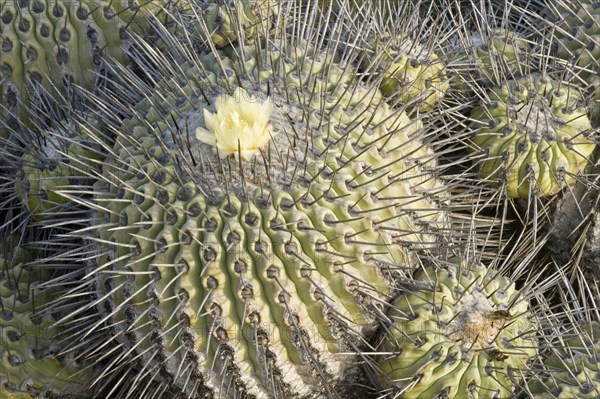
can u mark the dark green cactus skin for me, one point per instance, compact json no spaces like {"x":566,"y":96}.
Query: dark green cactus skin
{"x":573,"y":368}
{"x":252,"y":286}
{"x":29,"y":365}
{"x":464,"y":333}
{"x":49,"y":43}
{"x":536,"y":136}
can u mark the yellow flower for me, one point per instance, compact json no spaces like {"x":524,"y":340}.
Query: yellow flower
{"x":241,"y":124}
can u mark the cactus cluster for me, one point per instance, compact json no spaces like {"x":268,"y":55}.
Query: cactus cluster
{"x":273,"y":204}
{"x":45,"y":44}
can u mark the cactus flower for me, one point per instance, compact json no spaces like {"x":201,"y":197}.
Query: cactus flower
{"x":241,"y":124}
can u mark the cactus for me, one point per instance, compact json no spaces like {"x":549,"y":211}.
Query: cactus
{"x":534,"y":135}
{"x":44,"y":44}
{"x":459,"y":331}
{"x":576,"y":29}
{"x":572,"y":367}
{"x":496,"y":56}
{"x":410,"y":73}
{"x":223,"y":20}
{"x":269,"y":266}
{"x":29,"y":363}
{"x":248,"y":265}
{"x":61,"y":158}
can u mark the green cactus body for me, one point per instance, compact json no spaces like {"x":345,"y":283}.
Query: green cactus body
{"x":577,"y":29}
{"x":65,"y":160}
{"x":44,"y":43}
{"x":572,"y":368}
{"x":535,"y":135}
{"x":248,"y":275}
{"x":464,"y":332}
{"x":410,"y":73}
{"x":29,"y":366}
{"x":223,"y":20}
{"x":495,"y":57}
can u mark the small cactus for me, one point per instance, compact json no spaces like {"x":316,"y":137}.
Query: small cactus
{"x":459,"y":331}
{"x":572,"y":369}
{"x":230,"y":21}
{"x":495,"y":56}
{"x":59,"y":159}
{"x":410,"y":73}
{"x":534,"y":135}
{"x":575,"y":28}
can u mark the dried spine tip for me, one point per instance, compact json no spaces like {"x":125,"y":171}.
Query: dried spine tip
{"x":534,"y":136}
{"x":465,"y":331}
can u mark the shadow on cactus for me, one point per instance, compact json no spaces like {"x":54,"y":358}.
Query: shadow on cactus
{"x":30,"y":362}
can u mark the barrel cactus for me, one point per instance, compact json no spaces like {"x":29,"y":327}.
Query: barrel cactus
{"x":459,"y":331}
{"x":249,"y":221}
{"x":534,"y":136}
{"x":30,"y":365}
{"x":45,"y":43}
{"x":572,"y":369}
{"x":410,"y":72}
{"x":576,"y":28}
{"x":491,"y":57}
{"x":229,"y":21}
